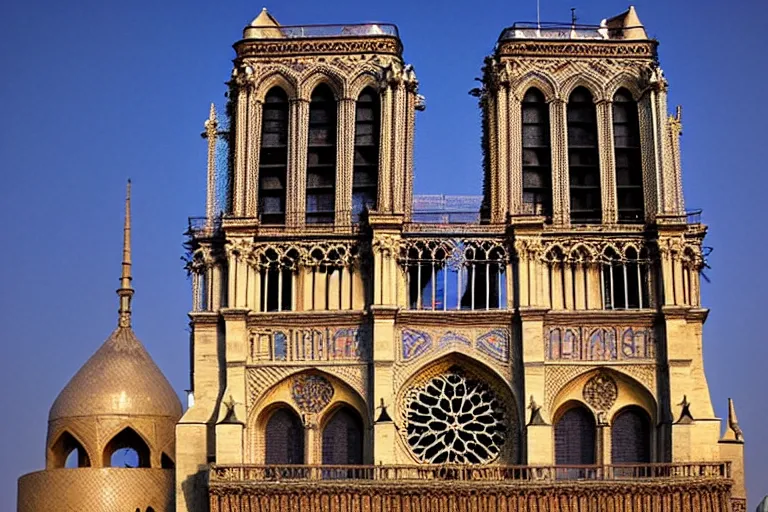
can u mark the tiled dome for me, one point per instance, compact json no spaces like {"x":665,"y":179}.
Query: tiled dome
{"x":119,"y":379}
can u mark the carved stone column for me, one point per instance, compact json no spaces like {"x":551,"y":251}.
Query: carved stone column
{"x":647,"y":119}
{"x":604,"y":110}
{"x":384,"y":203}
{"x":500,"y":201}
{"x":560,"y":182}
{"x":398,"y":143}
{"x":514,"y":154}
{"x":241,"y":129}
{"x":345,"y":158}
{"x":253,"y":147}
{"x":410,"y":113}
{"x":298,"y":137}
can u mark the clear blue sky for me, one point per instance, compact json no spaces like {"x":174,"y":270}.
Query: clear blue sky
{"x":95,"y":92}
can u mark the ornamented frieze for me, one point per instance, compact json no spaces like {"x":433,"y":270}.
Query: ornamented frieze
{"x":494,"y":343}
{"x":599,"y":343}
{"x":310,"y":344}
{"x":327,"y":46}
{"x":643,"y":50}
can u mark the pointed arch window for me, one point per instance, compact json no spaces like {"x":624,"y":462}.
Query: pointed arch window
{"x":343,"y":438}
{"x":126,"y":449}
{"x":321,"y":157}
{"x":365,"y":176}
{"x":629,"y":165}
{"x":631,"y":437}
{"x":537,"y":154}
{"x":67,"y":452}
{"x":583,"y":158}
{"x":575,"y":434}
{"x":273,"y":157}
{"x":284,"y":438}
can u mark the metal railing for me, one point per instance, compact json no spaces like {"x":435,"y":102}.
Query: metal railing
{"x":559,"y":30}
{"x":443,"y":209}
{"x":320,"y":31}
{"x":203,"y":227}
{"x":693,"y":216}
{"x":409,"y":474}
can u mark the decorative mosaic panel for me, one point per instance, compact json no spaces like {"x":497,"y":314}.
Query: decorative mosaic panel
{"x":494,"y":343}
{"x":600,"y":343}
{"x":310,"y":344}
{"x":311,"y":392}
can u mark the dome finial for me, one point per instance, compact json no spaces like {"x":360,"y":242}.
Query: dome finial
{"x":125,"y":292}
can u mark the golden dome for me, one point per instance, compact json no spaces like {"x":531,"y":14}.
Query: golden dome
{"x":119,"y":379}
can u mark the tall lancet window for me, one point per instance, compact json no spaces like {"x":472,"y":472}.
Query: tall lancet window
{"x":321,"y":156}
{"x":365,"y":178}
{"x":629,"y":167}
{"x":537,"y":158}
{"x":273,"y":157}
{"x":583,"y":158}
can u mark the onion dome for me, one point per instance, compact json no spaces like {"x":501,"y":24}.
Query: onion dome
{"x":120,"y":378}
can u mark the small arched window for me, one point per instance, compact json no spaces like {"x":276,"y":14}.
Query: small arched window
{"x":631,"y":437}
{"x":67,"y":452}
{"x":575,"y":437}
{"x":284,"y":438}
{"x":127,"y":449}
{"x":321,"y":157}
{"x":629,"y":166}
{"x":365,"y":177}
{"x":583,"y":158}
{"x":273,"y":157}
{"x":343,"y":438}
{"x":537,"y":156}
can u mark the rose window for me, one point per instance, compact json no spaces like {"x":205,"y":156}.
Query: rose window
{"x":455,"y":419}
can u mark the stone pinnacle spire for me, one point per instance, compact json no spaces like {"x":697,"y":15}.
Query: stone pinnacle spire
{"x":125,"y":292}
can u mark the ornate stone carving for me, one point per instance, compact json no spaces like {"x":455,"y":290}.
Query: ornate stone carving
{"x":601,"y":392}
{"x":312,"y":393}
{"x":258,"y":48}
{"x":643,"y":50}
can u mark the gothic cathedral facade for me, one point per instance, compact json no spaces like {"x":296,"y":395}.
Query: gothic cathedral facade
{"x":356,"y":348}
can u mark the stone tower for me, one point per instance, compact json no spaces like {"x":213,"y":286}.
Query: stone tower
{"x":551,"y":337}
{"x":119,"y":399}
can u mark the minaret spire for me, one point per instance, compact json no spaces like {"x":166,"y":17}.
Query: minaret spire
{"x":125,"y":292}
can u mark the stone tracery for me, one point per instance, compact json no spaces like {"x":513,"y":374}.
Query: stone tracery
{"x":455,"y":419}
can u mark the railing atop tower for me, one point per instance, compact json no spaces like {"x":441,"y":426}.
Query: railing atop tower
{"x":557,"y":30}
{"x":321,"y":31}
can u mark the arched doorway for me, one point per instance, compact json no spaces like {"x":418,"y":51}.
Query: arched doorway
{"x":284,"y":438}
{"x":631,"y":436}
{"x":343,"y":438}
{"x":575,"y":435}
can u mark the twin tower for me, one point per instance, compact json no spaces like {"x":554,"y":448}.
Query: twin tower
{"x":338,"y":332}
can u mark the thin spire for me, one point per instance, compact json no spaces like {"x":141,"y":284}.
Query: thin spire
{"x":125,"y":292}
